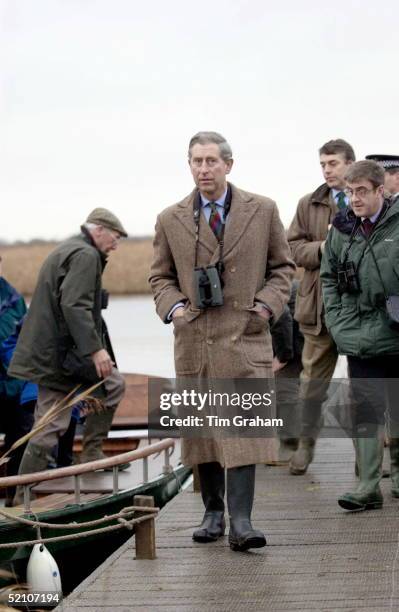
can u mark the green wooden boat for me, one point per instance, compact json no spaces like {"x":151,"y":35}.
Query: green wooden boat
{"x":77,"y":558}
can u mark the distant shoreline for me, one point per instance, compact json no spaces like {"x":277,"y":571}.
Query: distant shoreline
{"x":126,"y":273}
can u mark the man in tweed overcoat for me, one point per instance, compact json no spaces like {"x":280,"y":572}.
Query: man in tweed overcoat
{"x":228,"y":341}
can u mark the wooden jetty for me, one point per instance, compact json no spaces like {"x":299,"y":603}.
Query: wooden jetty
{"x":318,"y":556}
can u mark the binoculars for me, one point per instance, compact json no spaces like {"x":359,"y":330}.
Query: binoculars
{"x":348,"y":281}
{"x":208,"y":287}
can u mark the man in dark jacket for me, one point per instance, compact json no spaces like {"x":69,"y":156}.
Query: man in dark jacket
{"x":63,"y":341}
{"x":17,"y":397}
{"x":359,"y":273}
{"x":287,"y":365}
{"x":390,"y":163}
{"x":307,"y":235}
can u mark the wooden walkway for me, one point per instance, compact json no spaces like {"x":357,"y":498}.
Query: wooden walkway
{"x":318,"y":556}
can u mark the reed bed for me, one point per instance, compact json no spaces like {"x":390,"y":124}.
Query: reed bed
{"x":126,"y":273}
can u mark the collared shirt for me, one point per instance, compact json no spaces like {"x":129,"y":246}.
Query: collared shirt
{"x":207,"y":212}
{"x":335,"y":193}
{"x":219,"y":205}
{"x":374,"y":218}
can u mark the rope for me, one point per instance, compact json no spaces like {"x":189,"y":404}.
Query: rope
{"x":75,"y":536}
{"x":75,"y":525}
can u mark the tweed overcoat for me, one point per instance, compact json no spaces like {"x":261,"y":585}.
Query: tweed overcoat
{"x":307,"y":231}
{"x":231,"y":341}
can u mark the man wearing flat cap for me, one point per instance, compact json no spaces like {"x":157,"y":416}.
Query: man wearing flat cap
{"x":63,"y":341}
{"x":390,"y":163}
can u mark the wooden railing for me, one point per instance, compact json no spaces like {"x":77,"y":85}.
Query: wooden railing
{"x":25,"y":480}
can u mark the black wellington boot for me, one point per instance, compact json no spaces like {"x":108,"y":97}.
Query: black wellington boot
{"x":240,"y":497}
{"x":213,"y":525}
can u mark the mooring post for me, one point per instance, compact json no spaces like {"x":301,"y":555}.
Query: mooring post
{"x":145,"y":531}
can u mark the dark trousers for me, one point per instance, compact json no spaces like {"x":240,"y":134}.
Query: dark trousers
{"x":375,"y":392}
{"x":287,"y":399}
{"x":65,"y":446}
{"x":15,"y":422}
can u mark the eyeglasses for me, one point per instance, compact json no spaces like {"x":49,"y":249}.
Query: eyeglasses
{"x":360,"y":192}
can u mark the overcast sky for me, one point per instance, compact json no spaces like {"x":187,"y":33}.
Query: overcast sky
{"x":100,"y":97}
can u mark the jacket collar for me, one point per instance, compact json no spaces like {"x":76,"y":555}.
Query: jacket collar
{"x":243,"y":207}
{"x":345,"y":220}
{"x":86,"y":237}
{"x":321,"y":195}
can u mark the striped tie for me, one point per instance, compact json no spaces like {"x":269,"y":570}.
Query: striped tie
{"x":215,"y":220}
{"x":341,"y":201}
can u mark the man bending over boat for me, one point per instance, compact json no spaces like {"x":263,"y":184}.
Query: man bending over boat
{"x":64,"y":342}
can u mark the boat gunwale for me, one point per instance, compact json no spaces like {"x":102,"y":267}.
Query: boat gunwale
{"x":85,"y":468}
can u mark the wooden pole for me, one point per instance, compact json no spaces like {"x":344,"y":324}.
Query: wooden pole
{"x":145,"y":531}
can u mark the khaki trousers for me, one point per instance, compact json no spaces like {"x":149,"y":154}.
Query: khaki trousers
{"x":319,"y":358}
{"x":48,"y":437}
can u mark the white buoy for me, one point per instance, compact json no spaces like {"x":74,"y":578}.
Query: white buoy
{"x":42,"y":573}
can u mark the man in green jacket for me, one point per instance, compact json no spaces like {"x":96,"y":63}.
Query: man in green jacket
{"x":359,"y":272}
{"x":63,"y":341}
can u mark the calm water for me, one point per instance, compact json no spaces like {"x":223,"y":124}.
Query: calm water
{"x":142,"y":343}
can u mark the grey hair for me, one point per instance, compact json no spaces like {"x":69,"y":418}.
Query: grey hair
{"x":212,"y":138}
{"x":91,"y":226}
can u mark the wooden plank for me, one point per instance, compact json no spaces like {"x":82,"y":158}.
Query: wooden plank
{"x":52,"y":502}
{"x":119,"y":443}
{"x":318,"y":557}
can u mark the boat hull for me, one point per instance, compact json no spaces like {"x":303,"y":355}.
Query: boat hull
{"x":78,"y":557}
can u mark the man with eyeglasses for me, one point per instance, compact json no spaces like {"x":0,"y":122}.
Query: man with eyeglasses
{"x":360,"y":278}
{"x":307,"y":235}
{"x":64,"y":342}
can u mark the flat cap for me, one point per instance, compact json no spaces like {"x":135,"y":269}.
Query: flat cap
{"x":104,"y":217}
{"x":386,"y":161}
